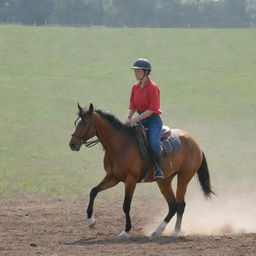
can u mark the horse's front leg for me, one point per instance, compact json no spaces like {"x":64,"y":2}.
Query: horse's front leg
{"x":130,"y":185}
{"x":108,"y":182}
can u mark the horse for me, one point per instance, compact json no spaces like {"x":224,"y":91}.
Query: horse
{"x":123,"y":162}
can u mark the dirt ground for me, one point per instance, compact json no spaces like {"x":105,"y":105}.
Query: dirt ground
{"x":58,"y":227}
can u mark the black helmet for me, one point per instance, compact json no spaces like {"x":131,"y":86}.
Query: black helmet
{"x":142,"y":64}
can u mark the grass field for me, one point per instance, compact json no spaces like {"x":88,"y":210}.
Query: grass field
{"x":207,"y":80}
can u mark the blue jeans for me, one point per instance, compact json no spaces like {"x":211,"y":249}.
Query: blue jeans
{"x":154,"y":125}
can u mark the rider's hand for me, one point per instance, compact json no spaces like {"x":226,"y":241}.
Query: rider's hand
{"x":126,"y":122}
{"x":130,"y":122}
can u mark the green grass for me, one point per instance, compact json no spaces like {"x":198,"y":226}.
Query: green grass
{"x":207,"y":79}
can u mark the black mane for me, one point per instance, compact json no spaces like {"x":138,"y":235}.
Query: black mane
{"x":134,"y":132}
{"x":117,"y":124}
{"x":83,"y":113}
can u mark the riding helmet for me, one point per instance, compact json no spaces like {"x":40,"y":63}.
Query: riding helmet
{"x":141,"y":64}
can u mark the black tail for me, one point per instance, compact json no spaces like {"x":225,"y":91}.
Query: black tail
{"x":204,"y":178}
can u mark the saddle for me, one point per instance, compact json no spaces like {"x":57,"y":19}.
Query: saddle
{"x":166,"y":131}
{"x":170,"y":142}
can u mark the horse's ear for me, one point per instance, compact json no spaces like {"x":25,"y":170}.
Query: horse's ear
{"x":79,"y":107}
{"x":90,"y":108}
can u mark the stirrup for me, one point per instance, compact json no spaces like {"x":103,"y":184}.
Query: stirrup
{"x":158,"y":175}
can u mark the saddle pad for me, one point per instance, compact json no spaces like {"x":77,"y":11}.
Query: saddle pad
{"x":171,"y":144}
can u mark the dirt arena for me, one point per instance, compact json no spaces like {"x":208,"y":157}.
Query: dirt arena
{"x":58,"y":227}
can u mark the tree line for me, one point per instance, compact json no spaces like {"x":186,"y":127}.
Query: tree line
{"x":130,"y":13}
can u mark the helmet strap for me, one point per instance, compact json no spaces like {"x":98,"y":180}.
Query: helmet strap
{"x":146,"y":73}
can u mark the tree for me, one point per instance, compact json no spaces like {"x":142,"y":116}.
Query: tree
{"x":190,"y":15}
{"x":78,"y":12}
{"x":29,"y":12}
{"x":236,"y":14}
{"x":130,"y":13}
{"x":251,"y":11}
{"x":133,"y":13}
{"x":168,"y":13}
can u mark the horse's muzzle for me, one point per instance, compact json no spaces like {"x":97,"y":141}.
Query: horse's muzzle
{"x":74,"y":146}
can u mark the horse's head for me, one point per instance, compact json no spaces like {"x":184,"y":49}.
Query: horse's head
{"x":85,"y":128}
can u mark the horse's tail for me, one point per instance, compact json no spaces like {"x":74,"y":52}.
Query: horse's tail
{"x":204,"y":178}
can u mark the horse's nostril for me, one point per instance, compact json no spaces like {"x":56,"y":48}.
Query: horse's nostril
{"x":72,"y":145}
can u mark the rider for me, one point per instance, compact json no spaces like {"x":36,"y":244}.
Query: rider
{"x":145,"y":100}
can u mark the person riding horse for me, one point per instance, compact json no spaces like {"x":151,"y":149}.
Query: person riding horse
{"x":145,"y":100}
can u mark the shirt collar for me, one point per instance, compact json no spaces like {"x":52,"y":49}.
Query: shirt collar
{"x":148,"y":81}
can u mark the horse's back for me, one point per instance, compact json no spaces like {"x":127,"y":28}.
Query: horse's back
{"x":186,"y":138}
{"x":190,"y":153}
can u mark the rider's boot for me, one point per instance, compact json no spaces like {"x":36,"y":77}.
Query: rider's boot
{"x":157,"y":159}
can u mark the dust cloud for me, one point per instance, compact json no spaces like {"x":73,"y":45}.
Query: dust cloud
{"x":221,"y":215}
{"x":231,"y":211}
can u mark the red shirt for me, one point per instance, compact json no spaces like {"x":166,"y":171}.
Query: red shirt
{"x":146,"y":98}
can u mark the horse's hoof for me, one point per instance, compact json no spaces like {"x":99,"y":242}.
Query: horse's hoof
{"x":124,"y":235}
{"x":159,"y":229}
{"x":175,"y":233}
{"x":154,"y":234}
{"x":91,"y":222}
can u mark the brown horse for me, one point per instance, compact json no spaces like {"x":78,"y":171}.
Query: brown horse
{"x":123,"y":162}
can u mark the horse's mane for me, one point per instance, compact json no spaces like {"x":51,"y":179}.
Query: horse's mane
{"x":133,"y":132}
{"x":130,"y":131}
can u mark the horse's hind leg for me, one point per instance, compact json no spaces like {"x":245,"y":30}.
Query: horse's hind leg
{"x":108,"y":182}
{"x":180,"y":205}
{"x":166,"y":190}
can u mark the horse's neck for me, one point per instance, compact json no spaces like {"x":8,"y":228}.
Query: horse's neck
{"x":107,"y":134}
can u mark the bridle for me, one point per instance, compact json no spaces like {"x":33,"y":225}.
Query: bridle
{"x":90,"y":143}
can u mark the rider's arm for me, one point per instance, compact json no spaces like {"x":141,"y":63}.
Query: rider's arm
{"x":143,"y":115}
{"x":130,"y":114}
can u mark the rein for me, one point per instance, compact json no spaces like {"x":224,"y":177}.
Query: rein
{"x":140,"y":138}
{"x":87,"y":144}
{"x":91,"y":143}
